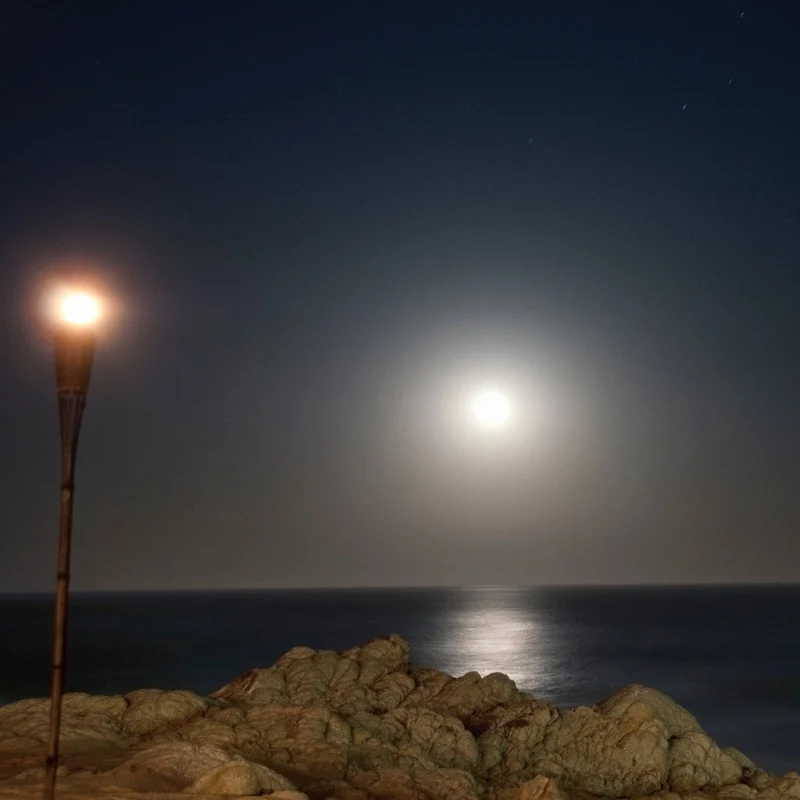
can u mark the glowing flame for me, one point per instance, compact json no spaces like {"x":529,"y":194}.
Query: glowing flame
{"x":79,"y":309}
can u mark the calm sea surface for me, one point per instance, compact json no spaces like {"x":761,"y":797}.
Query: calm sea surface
{"x":731,"y":655}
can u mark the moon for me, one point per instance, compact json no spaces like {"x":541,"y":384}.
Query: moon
{"x":490,"y":409}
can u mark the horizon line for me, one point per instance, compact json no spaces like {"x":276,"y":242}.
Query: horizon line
{"x":399,"y":587}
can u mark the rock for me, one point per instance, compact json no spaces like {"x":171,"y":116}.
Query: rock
{"x":786,"y":788}
{"x":508,"y":740}
{"x":421,"y":734}
{"x":665,"y":794}
{"x":740,"y":758}
{"x":611,"y":757}
{"x":642,"y":703}
{"x":391,"y":690}
{"x":364,"y":724}
{"x":223,"y":732}
{"x":441,"y":784}
{"x":360,"y":679}
{"x":739,"y":791}
{"x":696,"y":762}
{"x":287,"y":795}
{"x":38,"y":773}
{"x":151,"y":710}
{"x":271,"y":781}
{"x":449,"y":784}
{"x":17,"y":744}
{"x":465,"y":697}
{"x":236,"y":779}
{"x":179,"y":763}
{"x":757,"y":778}
{"x":313,"y":740}
{"x":83,"y":717}
{"x":380,"y":657}
{"x":540,"y":788}
{"x":336,"y":790}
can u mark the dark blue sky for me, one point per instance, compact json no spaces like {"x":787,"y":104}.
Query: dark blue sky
{"x":328,"y":224}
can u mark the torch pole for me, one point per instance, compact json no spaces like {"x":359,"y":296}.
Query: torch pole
{"x":74,"y":354}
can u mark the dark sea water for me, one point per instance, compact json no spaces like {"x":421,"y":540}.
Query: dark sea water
{"x":730,"y":655}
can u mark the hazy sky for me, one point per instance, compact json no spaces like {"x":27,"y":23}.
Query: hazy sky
{"x":328,"y":224}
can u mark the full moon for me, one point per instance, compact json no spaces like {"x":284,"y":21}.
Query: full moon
{"x":490,"y":409}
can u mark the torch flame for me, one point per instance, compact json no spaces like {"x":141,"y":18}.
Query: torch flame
{"x":77,"y":308}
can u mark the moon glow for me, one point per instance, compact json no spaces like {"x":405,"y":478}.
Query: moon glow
{"x":490,"y":409}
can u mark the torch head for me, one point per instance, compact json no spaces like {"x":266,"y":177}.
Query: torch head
{"x":74,"y":356}
{"x":76,"y":315}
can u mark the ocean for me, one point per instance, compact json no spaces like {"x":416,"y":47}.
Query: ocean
{"x":730,"y":655}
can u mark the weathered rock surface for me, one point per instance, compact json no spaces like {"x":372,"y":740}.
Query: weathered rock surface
{"x":696,"y":763}
{"x":365,"y":724}
{"x":234,"y":779}
{"x":605,"y":756}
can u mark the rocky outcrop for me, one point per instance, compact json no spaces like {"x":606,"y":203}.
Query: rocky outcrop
{"x":509,"y":739}
{"x":605,"y":756}
{"x":695,"y":762}
{"x":119,"y":719}
{"x":365,"y":724}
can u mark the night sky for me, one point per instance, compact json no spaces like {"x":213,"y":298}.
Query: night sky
{"x":325,"y":225}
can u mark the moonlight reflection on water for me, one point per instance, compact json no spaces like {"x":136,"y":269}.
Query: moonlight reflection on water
{"x":487,"y":633}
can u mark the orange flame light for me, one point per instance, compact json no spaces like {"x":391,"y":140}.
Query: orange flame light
{"x":74,"y":308}
{"x":80,"y":308}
